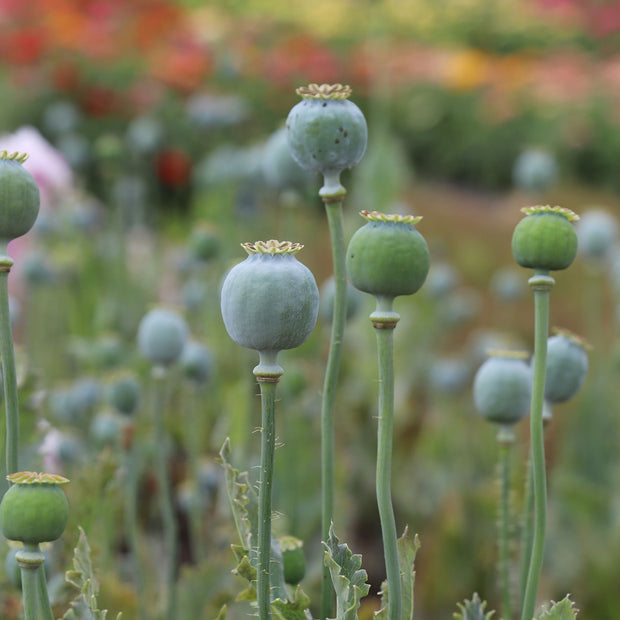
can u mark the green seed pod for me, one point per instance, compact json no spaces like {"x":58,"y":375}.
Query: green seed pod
{"x":34,"y":509}
{"x":270,"y":301}
{"x":197,"y":362}
{"x":503,"y":387}
{"x":161,"y":336}
{"x":326,"y":132}
{"x":293,"y":559}
{"x":19,"y":197}
{"x":204,"y":243}
{"x":545,"y":239}
{"x":567,"y":366}
{"x":388,"y":257}
{"x":124,"y":394}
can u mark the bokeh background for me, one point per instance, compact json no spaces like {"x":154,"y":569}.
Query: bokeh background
{"x":154,"y":130}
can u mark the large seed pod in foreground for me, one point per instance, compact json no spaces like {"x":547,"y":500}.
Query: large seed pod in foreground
{"x":270,"y":301}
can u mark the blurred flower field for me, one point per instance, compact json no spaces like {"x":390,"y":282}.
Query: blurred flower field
{"x":155,"y":132}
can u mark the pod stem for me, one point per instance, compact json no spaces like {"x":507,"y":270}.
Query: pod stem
{"x":159,"y":375}
{"x":541,"y":283}
{"x":384,"y":321}
{"x":34,"y":587}
{"x":332,"y":194}
{"x":267,"y":384}
{"x":505,"y":439}
{"x":9,"y":374}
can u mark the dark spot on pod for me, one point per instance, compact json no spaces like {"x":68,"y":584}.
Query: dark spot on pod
{"x":346,"y":133}
{"x":336,"y":141}
{"x":324,"y":104}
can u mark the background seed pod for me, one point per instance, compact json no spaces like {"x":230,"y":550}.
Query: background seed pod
{"x":161,"y":336}
{"x":567,"y":367}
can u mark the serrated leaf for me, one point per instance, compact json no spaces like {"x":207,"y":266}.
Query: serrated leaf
{"x":348,"y":578}
{"x":564,"y":610}
{"x":82,"y":577}
{"x":473,"y":609}
{"x":294,"y":609}
{"x":407,"y":550}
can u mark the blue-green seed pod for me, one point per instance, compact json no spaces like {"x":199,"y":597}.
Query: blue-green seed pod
{"x":197,"y":362}
{"x":328,"y":291}
{"x":279,"y":168}
{"x":503,"y":387}
{"x":535,"y":170}
{"x":124,"y":394}
{"x":162,"y":335}
{"x":326,"y":132}
{"x":270,"y":301}
{"x":545,"y":239}
{"x":19,"y":197}
{"x":567,"y":366}
{"x":388,"y":257}
{"x":597,"y":232}
{"x":204,"y":242}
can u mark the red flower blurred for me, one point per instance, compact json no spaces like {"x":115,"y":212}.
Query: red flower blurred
{"x":173,"y":167}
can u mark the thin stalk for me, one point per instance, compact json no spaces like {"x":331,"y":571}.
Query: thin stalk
{"x":541,"y":283}
{"x":505,"y":440}
{"x":268,"y":401}
{"x":45,"y":609}
{"x":332,"y":194}
{"x":527,"y":532}
{"x":384,"y":324}
{"x":8,"y":371}
{"x":165,"y":490}
{"x":30,"y":560}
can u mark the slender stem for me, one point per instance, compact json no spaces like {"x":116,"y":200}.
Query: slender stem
{"x":268,"y":402}
{"x":30,"y":560}
{"x":333,"y":206}
{"x":527,"y":532}
{"x":384,"y":330}
{"x":165,"y":489}
{"x":8,"y":370}
{"x":45,"y":609}
{"x":505,"y":440}
{"x":541,"y":283}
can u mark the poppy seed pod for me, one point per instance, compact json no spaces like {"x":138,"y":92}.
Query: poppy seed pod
{"x":326,"y":132}
{"x":388,"y":257}
{"x":545,"y":239}
{"x":34,"y":509}
{"x":503,"y":388}
{"x":270,"y":301}
{"x":567,"y":366}
{"x":161,"y":336}
{"x":19,"y":197}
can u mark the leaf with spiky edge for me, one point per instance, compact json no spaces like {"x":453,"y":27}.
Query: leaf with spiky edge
{"x":407,"y":550}
{"x":473,"y":609}
{"x":244,"y":504}
{"x":564,"y":610}
{"x":348,"y":578}
{"x":295,"y":609}
{"x":82,"y":577}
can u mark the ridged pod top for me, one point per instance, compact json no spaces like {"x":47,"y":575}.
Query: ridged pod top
{"x":571,"y":216}
{"x":574,"y":338}
{"x":324,"y":91}
{"x":508,"y":354}
{"x":18,"y":157}
{"x":272,"y":247}
{"x":377,"y":216}
{"x":31,"y":477}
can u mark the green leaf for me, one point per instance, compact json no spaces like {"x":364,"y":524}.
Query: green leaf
{"x":407,"y":550}
{"x":222,"y":613}
{"x":473,"y":609}
{"x":348,"y":578}
{"x":292,"y":609}
{"x":82,"y":577}
{"x":564,"y":610}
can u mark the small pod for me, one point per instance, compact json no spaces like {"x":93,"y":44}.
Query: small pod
{"x":293,"y":559}
{"x":503,"y":387}
{"x":567,"y":366}
{"x":388,"y":257}
{"x":597,"y":231}
{"x":270,"y":301}
{"x":162,"y":335}
{"x":35,"y":509}
{"x":19,"y":197}
{"x":197,"y":362}
{"x":326,"y":132}
{"x":545,"y":239}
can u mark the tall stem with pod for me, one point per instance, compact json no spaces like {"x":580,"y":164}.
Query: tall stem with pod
{"x":270,"y":303}
{"x":387,"y":257}
{"x":327,"y":134}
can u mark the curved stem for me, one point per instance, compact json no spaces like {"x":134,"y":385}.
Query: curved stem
{"x":505,"y":440}
{"x":336,"y":231}
{"x":541,"y":283}
{"x":165,"y":489}
{"x":385,"y":349}
{"x":268,"y":402}
{"x":8,"y":370}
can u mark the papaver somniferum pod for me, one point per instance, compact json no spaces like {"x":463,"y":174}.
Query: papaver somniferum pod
{"x":270,"y":301}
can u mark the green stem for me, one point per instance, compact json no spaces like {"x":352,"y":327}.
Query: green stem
{"x":384,"y":321}
{"x":8,"y":370}
{"x":527,"y":533}
{"x":332,"y":194}
{"x":165,"y":489}
{"x":268,"y":384}
{"x":30,"y":560}
{"x":505,"y":440}
{"x":45,"y":609}
{"x":541,"y":283}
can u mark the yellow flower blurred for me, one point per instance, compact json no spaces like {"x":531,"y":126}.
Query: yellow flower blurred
{"x":466,"y":70}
